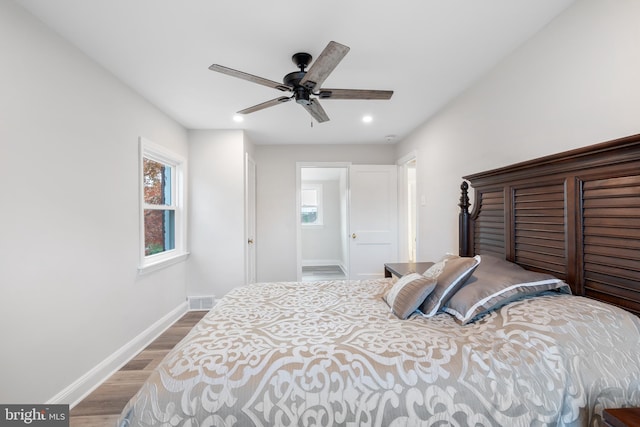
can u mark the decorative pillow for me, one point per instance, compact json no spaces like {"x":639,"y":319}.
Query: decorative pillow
{"x":495,"y":283}
{"x":450,"y":272}
{"x":407,"y":294}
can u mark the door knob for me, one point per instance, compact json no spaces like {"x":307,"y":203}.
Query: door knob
{"x":250,"y":241}
{"x":353,"y":236}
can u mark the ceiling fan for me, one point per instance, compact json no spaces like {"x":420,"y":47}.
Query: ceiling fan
{"x":303,"y":84}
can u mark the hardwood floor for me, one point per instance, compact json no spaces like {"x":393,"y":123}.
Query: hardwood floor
{"x":103,"y":406}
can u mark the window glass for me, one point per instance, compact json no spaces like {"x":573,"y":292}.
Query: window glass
{"x":309,"y":214}
{"x":309,"y":197}
{"x":159,"y":231}
{"x":159,"y":223}
{"x":157,"y":182}
{"x":311,"y":204}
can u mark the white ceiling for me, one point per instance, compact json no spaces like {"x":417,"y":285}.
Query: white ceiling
{"x":427,"y":51}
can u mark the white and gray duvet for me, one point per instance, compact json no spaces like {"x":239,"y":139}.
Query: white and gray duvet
{"x":332,"y":353}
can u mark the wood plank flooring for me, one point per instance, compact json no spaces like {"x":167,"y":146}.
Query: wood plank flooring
{"x":103,"y":406}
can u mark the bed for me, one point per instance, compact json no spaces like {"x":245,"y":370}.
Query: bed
{"x":533,"y":322}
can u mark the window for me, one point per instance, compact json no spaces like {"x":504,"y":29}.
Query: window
{"x":162,"y":207}
{"x":311,"y":208}
{"x":159,"y":209}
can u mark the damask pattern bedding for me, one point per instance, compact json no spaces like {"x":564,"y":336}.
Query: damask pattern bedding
{"x":332,"y":353}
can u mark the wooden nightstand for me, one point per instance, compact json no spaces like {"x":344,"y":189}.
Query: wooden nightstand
{"x":622,"y":417}
{"x":399,"y":269}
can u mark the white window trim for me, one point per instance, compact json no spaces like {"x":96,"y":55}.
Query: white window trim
{"x":320,"y":218}
{"x":150,"y":150}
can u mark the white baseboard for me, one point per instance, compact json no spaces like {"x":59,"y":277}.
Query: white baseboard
{"x":83,"y":386}
{"x":344,"y":269}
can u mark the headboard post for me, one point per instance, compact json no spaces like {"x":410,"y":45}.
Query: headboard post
{"x":463,"y":221}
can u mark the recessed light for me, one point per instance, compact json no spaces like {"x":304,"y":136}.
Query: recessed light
{"x":367,"y":119}
{"x":238,"y":118}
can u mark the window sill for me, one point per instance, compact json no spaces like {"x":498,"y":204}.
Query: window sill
{"x":159,"y":264}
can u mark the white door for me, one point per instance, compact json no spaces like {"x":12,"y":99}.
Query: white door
{"x":373,"y":219}
{"x":250,"y":219}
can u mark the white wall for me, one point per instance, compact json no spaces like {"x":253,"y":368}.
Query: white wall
{"x":216,"y":214}
{"x":276,"y":205}
{"x":70,"y":292}
{"x":573,"y":84}
{"x":322,"y":244}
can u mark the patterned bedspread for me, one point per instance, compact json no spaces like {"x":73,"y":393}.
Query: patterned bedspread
{"x":331,"y":353}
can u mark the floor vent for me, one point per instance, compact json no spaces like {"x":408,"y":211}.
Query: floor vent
{"x":201,"y":302}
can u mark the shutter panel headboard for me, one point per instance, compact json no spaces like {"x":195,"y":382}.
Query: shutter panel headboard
{"x":575,"y":215}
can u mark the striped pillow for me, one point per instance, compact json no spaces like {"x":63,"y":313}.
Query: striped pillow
{"x":495,"y":283}
{"x":451,"y":272}
{"x":408,"y":293}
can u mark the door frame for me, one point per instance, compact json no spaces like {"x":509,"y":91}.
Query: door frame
{"x":250,"y":240}
{"x":299,"y":167}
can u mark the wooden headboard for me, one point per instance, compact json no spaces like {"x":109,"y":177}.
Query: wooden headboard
{"x":575,"y":215}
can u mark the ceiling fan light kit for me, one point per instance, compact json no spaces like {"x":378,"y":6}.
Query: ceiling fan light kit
{"x":303,"y":84}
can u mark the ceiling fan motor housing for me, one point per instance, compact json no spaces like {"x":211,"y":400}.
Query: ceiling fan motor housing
{"x":300,"y":92}
{"x":302,"y":95}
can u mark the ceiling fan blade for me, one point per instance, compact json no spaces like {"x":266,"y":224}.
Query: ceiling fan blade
{"x":250,"y":77}
{"x":324,"y":65}
{"x":264,"y":105}
{"x":317,"y":112}
{"x":354,"y":94}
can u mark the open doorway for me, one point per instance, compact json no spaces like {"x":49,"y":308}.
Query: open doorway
{"x":323,"y":223}
{"x":408,"y":208}
{"x":411,"y":210}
